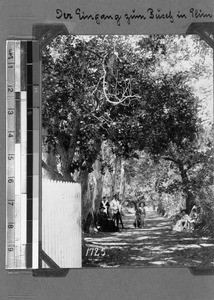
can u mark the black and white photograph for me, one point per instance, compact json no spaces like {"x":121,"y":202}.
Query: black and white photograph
{"x":107,"y":150}
{"x":127,"y":128}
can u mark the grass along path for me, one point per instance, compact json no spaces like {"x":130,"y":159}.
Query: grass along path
{"x":154,"y":245}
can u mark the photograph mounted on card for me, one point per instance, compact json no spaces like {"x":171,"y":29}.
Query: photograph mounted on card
{"x":134,"y":128}
{"x":117,"y":146}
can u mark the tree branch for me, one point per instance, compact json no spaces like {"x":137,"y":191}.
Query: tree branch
{"x":123,"y":97}
{"x":89,"y":50}
{"x":73,"y":140}
{"x":171,"y":159}
{"x":54,"y":174}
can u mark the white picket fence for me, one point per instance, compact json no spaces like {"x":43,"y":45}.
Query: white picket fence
{"x":61,"y":223}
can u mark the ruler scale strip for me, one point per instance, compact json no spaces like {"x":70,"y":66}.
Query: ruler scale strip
{"x":23,"y":119}
{"x":17,"y":157}
{"x":23,"y":209}
{"x":30,"y":156}
{"x":24,"y":177}
{"x":10,"y":154}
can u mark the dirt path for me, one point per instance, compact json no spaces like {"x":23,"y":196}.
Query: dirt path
{"x":154,"y":245}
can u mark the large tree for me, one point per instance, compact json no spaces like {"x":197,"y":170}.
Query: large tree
{"x":173,"y":128}
{"x":90,"y":94}
{"x":106,"y":88}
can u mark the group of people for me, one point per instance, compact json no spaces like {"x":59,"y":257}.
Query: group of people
{"x":110,"y":214}
{"x":188,"y":222}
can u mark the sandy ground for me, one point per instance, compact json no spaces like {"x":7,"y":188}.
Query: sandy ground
{"x":155,"y":245}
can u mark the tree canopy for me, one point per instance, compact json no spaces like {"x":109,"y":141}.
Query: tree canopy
{"x":121,"y":90}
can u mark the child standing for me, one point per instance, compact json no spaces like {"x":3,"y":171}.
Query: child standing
{"x":140,"y":215}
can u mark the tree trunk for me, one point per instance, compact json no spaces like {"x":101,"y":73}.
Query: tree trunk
{"x":186,"y":188}
{"x":190,"y":202}
{"x":64,"y":162}
{"x":86,"y":203}
{"x":160,"y":208}
{"x":65,"y":169}
{"x":114,"y":176}
{"x":49,"y":160}
{"x":50,"y":166}
{"x":122,"y":180}
{"x":98,"y":185}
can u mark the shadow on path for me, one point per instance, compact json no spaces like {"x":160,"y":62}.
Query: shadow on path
{"x":154,"y":245}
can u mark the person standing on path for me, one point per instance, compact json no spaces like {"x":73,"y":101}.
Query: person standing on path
{"x":143,"y":213}
{"x":105,"y":204}
{"x":115,"y":208}
{"x":120,"y":214}
{"x":140,"y":215}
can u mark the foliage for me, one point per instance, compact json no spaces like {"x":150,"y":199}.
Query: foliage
{"x":79,"y":108}
{"x":129,"y":93}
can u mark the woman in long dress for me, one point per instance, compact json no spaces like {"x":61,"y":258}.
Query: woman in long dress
{"x":140,"y":215}
{"x":184,"y":223}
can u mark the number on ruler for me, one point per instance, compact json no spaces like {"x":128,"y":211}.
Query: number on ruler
{"x":10,"y":112}
{"x":10,"y":135}
{"x":10,"y":180}
{"x":10,"y":249}
{"x":10,"y":54}
{"x":11,"y":202}
{"x":10,"y":89}
{"x":10,"y":157}
{"x":10,"y":226}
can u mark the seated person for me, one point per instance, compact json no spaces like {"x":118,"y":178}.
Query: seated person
{"x":200,"y":221}
{"x":194,"y":217}
{"x":184,"y":223}
{"x":105,"y":224}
